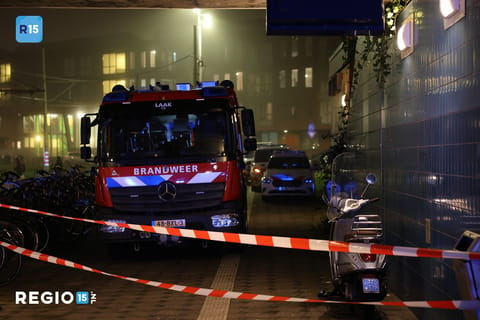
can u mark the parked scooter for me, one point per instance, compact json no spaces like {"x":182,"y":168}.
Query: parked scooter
{"x":355,"y":276}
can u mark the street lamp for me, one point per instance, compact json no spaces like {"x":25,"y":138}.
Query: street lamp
{"x":45,"y":114}
{"x":203,"y":20}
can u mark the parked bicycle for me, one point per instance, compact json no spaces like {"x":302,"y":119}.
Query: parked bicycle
{"x":10,"y":261}
{"x":61,"y":191}
{"x":68,"y":192}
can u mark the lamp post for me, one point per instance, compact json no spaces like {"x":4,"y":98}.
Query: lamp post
{"x":45,"y":113}
{"x":198,"y":66}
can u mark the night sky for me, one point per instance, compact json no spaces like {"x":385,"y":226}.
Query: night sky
{"x":62,"y":24}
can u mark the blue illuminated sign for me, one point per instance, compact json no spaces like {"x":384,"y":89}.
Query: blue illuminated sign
{"x":29,"y":29}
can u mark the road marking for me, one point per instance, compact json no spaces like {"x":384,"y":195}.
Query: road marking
{"x":216,"y":308}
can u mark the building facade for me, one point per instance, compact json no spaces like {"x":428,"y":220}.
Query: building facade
{"x":421,"y":133}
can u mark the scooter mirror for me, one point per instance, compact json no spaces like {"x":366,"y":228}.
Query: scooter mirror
{"x":371,"y":178}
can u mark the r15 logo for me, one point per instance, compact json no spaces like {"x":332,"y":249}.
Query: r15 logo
{"x":29,"y":29}
{"x":85,"y":297}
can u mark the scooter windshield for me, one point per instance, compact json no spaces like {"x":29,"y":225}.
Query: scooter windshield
{"x":347,"y":180}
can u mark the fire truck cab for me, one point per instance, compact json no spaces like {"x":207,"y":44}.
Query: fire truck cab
{"x":171,"y":158}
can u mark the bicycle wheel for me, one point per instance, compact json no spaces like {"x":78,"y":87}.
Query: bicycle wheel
{"x":11,"y":261}
{"x":30,"y":235}
{"x":11,"y":265}
{"x":11,"y":233}
{"x":2,"y":256}
{"x":42,"y":232}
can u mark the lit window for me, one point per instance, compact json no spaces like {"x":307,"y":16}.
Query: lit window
{"x":308,"y":77}
{"x":239,"y":81}
{"x":109,"y":84}
{"x":294,"y":78}
{"x":269,"y":111}
{"x":120,"y":62}
{"x":153,"y":58}
{"x":113,"y":63}
{"x":226,"y":76}
{"x":294,"y":47}
{"x":5,"y":72}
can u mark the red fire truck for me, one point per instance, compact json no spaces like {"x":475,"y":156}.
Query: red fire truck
{"x":171,"y":158}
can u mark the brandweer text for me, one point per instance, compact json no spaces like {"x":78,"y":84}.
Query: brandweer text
{"x":165,"y":170}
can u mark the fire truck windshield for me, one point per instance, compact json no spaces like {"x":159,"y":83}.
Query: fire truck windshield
{"x":165,"y":135}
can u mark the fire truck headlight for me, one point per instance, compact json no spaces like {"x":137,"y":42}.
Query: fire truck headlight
{"x":113,"y":229}
{"x":225,"y":220}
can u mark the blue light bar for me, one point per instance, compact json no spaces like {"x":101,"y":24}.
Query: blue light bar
{"x":184,"y":86}
{"x":204,"y":84}
{"x":214,"y":92}
{"x":283,"y":177}
{"x":115,"y":96}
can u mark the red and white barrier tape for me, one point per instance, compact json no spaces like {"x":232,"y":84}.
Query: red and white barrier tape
{"x":440,"y":304}
{"x":278,"y":241}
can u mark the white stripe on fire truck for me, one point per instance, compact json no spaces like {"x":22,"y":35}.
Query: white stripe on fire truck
{"x":204,"y":177}
{"x":141,"y":181}
{"x":136,"y":181}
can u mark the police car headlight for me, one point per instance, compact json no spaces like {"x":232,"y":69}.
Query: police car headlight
{"x":225,"y":220}
{"x":113,"y":229}
{"x":308,"y":181}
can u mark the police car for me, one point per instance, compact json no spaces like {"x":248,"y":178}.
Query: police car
{"x":288,"y":173}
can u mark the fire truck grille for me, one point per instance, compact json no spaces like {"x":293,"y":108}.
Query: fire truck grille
{"x":185,"y":197}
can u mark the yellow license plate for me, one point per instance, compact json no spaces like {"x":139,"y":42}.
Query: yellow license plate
{"x":175,"y":223}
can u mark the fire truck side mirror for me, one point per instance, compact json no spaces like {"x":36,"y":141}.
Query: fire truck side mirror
{"x":250,"y":144}
{"x":85,"y":130}
{"x":248,"y":122}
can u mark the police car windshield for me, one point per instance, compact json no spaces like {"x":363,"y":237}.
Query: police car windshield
{"x":165,"y":135}
{"x":262,"y":155}
{"x":288,"y":163}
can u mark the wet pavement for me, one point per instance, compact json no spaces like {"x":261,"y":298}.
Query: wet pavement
{"x":262,"y":270}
